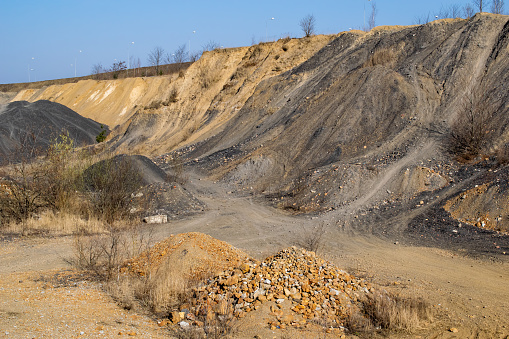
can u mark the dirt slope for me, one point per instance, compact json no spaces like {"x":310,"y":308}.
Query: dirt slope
{"x":44,"y":120}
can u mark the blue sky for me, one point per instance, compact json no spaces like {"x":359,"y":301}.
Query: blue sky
{"x":53,"y":32}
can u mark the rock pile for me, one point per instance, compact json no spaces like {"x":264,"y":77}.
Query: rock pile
{"x":297,"y":285}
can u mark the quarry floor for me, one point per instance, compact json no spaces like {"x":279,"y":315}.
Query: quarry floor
{"x":466,"y":293}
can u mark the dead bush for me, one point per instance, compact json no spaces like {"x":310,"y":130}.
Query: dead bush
{"x":156,"y":104}
{"x":21,"y":196}
{"x":102,"y":254}
{"x":173,"y":98}
{"x":109,"y":185}
{"x":381,"y":56}
{"x":390,"y":312}
{"x":473,"y":130}
{"x":205,"y":77}
{"x":312,"y":239}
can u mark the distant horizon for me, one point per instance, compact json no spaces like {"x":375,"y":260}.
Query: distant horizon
{"x":62,"y":39}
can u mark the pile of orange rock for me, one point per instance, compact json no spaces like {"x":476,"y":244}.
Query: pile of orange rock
{"x":297,"y":285}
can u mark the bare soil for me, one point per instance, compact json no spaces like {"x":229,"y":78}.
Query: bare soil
{"x":40,"y":296}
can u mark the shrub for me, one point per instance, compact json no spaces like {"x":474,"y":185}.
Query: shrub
{"x":391,"y":312}
{"x":312,"y":239}
{"x":110,"y":184}
{"x":381,"y":56}
{"x":102,"y":135}
{"x":472,"y":131}
{"x":103,"y":254}
{"x":20,"y":195}
{"x":173,"y":96}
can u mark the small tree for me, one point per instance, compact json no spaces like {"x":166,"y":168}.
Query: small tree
{"x":97,"y":70}
{"x":497,"y":6}
{"x":117,"y":67}
{"x":455,"y":10}
{"x":180,"y":55}
{"x":155,"y":57}
{"x":210,"y":46}
{"x":110,"y":184}
{"x":307,"y":24}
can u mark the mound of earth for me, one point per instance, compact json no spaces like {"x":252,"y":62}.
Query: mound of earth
{"x":36,"y":125}
{"x":196,"y":255}
{"x":155,"y":195}
{"x":148,"y":172}
{"x":170,"y":199}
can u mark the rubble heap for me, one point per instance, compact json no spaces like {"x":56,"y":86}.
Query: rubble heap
{"x":312,"y":289}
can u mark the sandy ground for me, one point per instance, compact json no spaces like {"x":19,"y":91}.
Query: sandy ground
{"x":471,"y":295}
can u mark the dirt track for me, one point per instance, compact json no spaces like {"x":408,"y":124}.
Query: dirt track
{"x":471,"y":295}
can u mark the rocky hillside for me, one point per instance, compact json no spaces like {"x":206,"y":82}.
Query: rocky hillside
{"x":351,"y":123}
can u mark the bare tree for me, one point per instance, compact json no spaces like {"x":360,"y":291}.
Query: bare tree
{"x":194,"y":56}
{"x":210,"y":46}
{"x":307,"y":24}
{"x":423,"y":19}
{"x":468,"y":11}
{"x":180,"y":55}
{"x":497,"y":6}
{"x":97,"y":69}
{"x":455,"y":11}
{"x":478,"y":4}
{"x":117,"y":67}
{"x":155,"y":58}
{"x":372,"y":17}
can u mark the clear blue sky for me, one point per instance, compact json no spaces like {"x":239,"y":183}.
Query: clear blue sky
{"x":53,"y":32}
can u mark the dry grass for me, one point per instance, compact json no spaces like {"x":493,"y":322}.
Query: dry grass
{"x":381,"y":56}
{"x":390,"y":312}
{"x":55,"y":223}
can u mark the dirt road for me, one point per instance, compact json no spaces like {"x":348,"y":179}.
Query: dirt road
{"x":467,"y":294}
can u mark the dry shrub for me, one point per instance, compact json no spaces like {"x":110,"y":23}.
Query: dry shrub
{"x":390,"y":312}
{"x":205,"y":77}
{"x":173,"y":98}
{"x":216,"y":325}
{"x":473,"y":130}
{"x":110,"y":185}
{"x":156,"y":104}
{"x":250,"y":63}
{"x":381,"y":56}
{"x":313,"y":238}
{"x":103,"y":254}
{"x":502,"y":155}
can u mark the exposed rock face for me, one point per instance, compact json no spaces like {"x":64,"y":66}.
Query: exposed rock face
{"x":316,"y":124}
